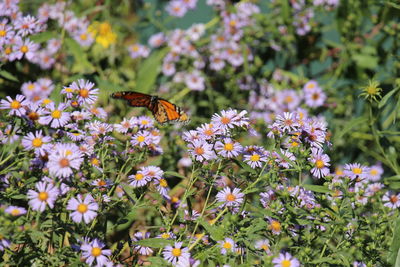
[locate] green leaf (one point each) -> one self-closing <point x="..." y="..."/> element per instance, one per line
<point x="154" y="242"/>
<point x="81" y="64"/>
<point x="387" y="97"/>
<point x="316" y="188"/>
<point x="157" y="261"/>
<point x="394" y="251"/>
<point x="174" y="174"/>
<point x="215" y="232"/>
<point x="8" y="76"/>
<point x="42" y="37"/>
<point x="149" y="70"/>
<point x="350" y="125"/>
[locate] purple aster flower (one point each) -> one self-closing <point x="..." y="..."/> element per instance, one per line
<point x="15" y="211"/>
<point x="263" y="244"/>
<point x="16" y="106"/>
<point x="195" y="81"/>
<point x="99" y="128"/>
<point x="46" y="194"/>
<point x="355" y="171"/>
<point x="25" y="48"/>
<point x="375" y="172"/>
<point x="27" y="25"/>
<point x="63" y="159"/>
<point x="228" y="148"/>
<point x="176" y="8"/>
<point x="320" y="162"/>
<point x="287" y="122"/>
<point x="139" y="179"/>
<point x="254" y="156"/>
<point x="392" y="200"/>
<point x="138" y="50"/>
<point x="83" y="209"/>
<point x="141" y="139"/>
<point x="229" y="197"/>
<point x="175" y="253"/>
<point x="314" y="97"/>
<point x="141" y="249"/>
<point x="201" y="150"/>
<point x="284" y="157"/>
<point x="227" y="245"/>
<point x="4" y="243"/>
<point x="85" y="91"/>
<point x="125" y="125"/>
<point x="285" y="260"/>
<point x="162" y="186"/>
<point x="94" y="251"/>
<point x="55" y="117"/>
<point x="36" y="141"/>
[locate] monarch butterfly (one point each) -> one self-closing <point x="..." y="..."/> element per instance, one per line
<point x="163" y="110"/>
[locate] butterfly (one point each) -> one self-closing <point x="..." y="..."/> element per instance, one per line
<point x="163" y="110"/>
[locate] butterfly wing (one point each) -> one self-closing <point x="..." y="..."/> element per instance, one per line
<point x="165" y="111"/>
<point x="134" y="99"/>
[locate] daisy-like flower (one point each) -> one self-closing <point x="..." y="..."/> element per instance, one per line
<point x="263" y="244"/>
<point x="26" y="25"/>
<point x="46" y="194"/>
<point x="4" y="243"/>
<point x="195" y="81"/>
<point x="225" y="121"/>
<point x="144" y="122"/>
<point x="98" y="112"/>
<point x="83" y="209"/>
<point x="55" y="117"/>
<point x="314" y="97"/>
<point x="141" y="249"/>
<point x="375" y="172"/>
<point x="162" y="186"/>
<point x="139" y="179"/>
<point x="102" y="183"/>
<point x="287" y="122"/>
<point x="141" y="139"/>
<point x="99" y="128"/>
<point x="15" y="211"/>
<point x="285" y="260"/>
<point x="16" y="106"/>
<point x="275" y="226"/>
<point x="392" y="200"/>
<point x="207" y="131"/>
<point x="25" y="48"/>
<point x="201" y="150"/>
<point x="36" y="141"/>
<point x="83" y="37"/>
<point x="229" y="197"/>
<point x="227" y="245"/>
<point x="228" y="148"/>
<point x="167" y="235"/>
<point x="355" y="171"/>
<point x="138" y="50"/>
<point x="284" y="157"/>
<point x="175" y="253"/>
<point x="157" y="40"/>
<point x="63" y="159"/>
<point x="176" y="8"/>
<point x="85" y="91"/>
<point x="125" y="125"/>
<point x="6" y="33"/>
<point x="254" y="156"/>
<point x="94" y="252"/>
<point x="320" y="162"/>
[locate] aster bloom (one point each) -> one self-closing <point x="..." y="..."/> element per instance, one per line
<point x="355" y="171"/>
<point x="16" y="106"/>
<point x="228" y="148"/>
<point x="36" y="141"/>
<point x="25" y="48"/>
<point x="6" y="33"/>
<point x="84" y="209"/>
<point x="229" y="197"/>
<point x="263" y="244"/>
<point x="392" y="200"/>
<point x="314" y="97"/>
<point x="207" y="131"/>
<point x="55" y="117"/>
<point x="83" y="37"/>
<point x="287" y="122"/>
<point x="176" y="8"/>
<point x="138" y="50"/>
<point x="175" y="253"/>
<point x="85" y="91"/>
<point x="201" y="150"/>
<point x="275" y="226"/>
<point x="285" y="260"/>
<point x="254" y="156"/>
<point x="125" y="125"/>
<point x="15" y="211"/>
<point x="320" y="162"/>
<point x="225" y="121"/>
<point x="139" y="179"/>
<point x="27" y="25"/>
<point x="162" y="186"/>
<point x="63" y="159"/>
<point x="99" y="128"/>
<point x="167" y="235"/>
<point x="94" y="252"/>
<point x="45" y="194"/>
<point x="375" y="173"/>
<point x="144" y="122"/>
<point x="227" y="245"/>
<point x="4" y="243"/>
<point x="141" y="249"/>
<point x="195" y="81"/>
<point x="157" y="40"/>
<point x="141" y="139"/>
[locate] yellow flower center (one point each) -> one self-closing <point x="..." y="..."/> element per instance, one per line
<point x="64" y="162"/>
<point x="24" y="49"/>
<point x="95" y="161"/>
<point x="265" y="247"/>
<point x="56" y="114"/>
<point x="165" y="235"/>
<point x="31" y="86"/>
<point x="275" y="226"/>
<point x="37" y="142"/>
<point x="139" y="176"/>
<point x="227" y="245"/>
<point x="163" y="183"/>
<point x="311" y="86"/>
<point x="15" y="104"/>
<point x="393" y="198"/>
<point x="96" y="251"/>
<point x="140" y="138"/>
<point x="255" y="157"/>
<point x="357" y="170"/>
<point x="319" y="164"/>
<point x="199" y="150"/>
<point x="228" y="147"/>
<point x="15" y="212"/>
<point x="230" y="197"/>
<point x="225" y="120"/>
<point x="101" y="183"/>
<point x="2" y="33"/>
<point x="135" y="48"/>
<point x="288" y="99"/>
<point x="43" y="196"/>
<point x="373" y="172"/>
<point x="46" y="101"/>
<point x="144" y="122"/>
<point x="8" y="50"/>
<point x="286" y="263"/>
<point x="82" y="208"/>
<point x="83" y="36"/>
<point x="176" y="252"/>
<point x="315" y="96"/>
<point x="84" y="93"/>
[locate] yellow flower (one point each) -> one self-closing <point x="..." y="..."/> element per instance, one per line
<point x="103" y="33"/>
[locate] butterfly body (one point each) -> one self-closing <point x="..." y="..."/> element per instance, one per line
<point x="163" y="110"/>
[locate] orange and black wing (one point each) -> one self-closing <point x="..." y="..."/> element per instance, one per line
<point x="134" y="99"/>
<point x="165" y="111"/>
